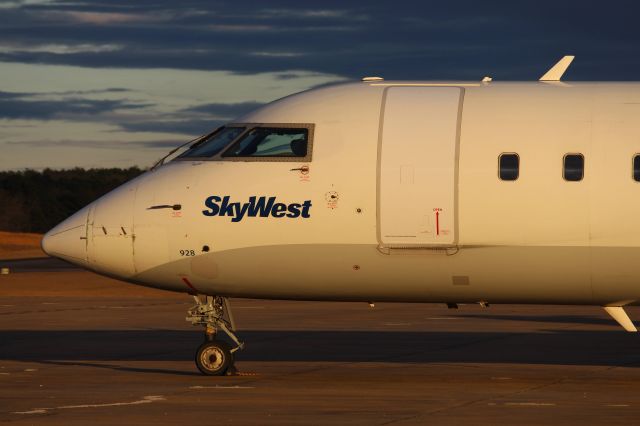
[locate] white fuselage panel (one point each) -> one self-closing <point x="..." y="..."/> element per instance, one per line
<point x="418" y="166"/>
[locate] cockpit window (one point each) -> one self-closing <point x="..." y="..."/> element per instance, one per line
<point x="214" y="143"/>
<point x="252" y="142"/>
<point x="271" y="142"/>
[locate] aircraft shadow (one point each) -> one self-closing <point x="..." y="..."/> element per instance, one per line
<point x="38" y="264"/>
<point x="553" y="347"/>
<point x="565" y="319"/>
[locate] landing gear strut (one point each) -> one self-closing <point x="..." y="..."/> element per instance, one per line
<point x="214" y="357"/>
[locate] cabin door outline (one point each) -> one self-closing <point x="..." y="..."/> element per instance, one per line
<point x="418" y="156"/>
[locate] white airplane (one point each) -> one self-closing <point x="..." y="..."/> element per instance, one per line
<point x="381" y="191"/>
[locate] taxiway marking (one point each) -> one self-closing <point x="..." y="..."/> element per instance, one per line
<point x="145" y="400"/>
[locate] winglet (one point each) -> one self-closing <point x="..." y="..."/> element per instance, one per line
<point x="618" y="314"/>
<point x="556" y="71"/>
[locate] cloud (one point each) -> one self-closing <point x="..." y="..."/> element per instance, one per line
<point x="59" y="49"/>
<point x="461" y="39"/>
<point x="194" y="121"/>
<point x="32" y="95"/>
<point x="292" y="75"/>
<point x="277" y="54"/>
<point x="16" y="4"/>
<point x="244" y="28"/>
<point x="313" y="14"/>
<point x="24" y="106"/>
<point x="90" y="92"/>
<point x="306" y="13"/>
<point x="185" y="126"/>
<point x="51" y="103"/>
<point x="100" y="144"/>
<point x="197" y="35"/>
<point x="12" y="95"/>
<point x="105" y="18"/>
<point x="222" y="110"/>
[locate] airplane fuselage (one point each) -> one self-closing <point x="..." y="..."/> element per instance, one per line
<point x="398" y="198"/>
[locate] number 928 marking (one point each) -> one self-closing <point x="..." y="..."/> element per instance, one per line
<point x="187" y="252"/>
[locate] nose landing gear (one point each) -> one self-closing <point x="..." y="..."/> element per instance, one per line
<point x="214" y="357"/>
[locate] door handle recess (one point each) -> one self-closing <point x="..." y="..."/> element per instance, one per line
<point x="303" y="169"/>
<point x="165" y="206"/>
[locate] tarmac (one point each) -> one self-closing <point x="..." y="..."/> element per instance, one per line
<point x="78" y="349"/>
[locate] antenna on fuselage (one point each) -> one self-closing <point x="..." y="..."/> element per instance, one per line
<point x="557" y="71"/>
<point x="367" y="79"/>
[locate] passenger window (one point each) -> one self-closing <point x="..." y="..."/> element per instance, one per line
<point x="636" y="167"/>
<point x="573" y="167"/>
<point x="509" y="166"/>
<point x="271" y="142"/>
<point x="214" y="143"/>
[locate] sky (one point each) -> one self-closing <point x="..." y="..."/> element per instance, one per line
<point x="117" y="83"/>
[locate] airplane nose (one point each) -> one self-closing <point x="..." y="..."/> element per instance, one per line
<point x="68" y="240"/>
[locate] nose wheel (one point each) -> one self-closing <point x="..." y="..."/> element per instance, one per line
<point x="214" y="357"/>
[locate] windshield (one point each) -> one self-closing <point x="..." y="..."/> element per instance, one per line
<point x="270" y="142"/>
<point x="213" y="144"/>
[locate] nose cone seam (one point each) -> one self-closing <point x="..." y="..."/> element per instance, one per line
<point x="69" y="244"/>
<point x="50" y="234"/>
<point x="68" y="240"/>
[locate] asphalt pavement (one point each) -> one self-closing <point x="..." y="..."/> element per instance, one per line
<point x="76" y="357"/>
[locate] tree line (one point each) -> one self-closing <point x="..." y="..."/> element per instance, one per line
<point x="36" y="201"/>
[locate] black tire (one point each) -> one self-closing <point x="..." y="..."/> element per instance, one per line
<point x="214" y="358"/>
